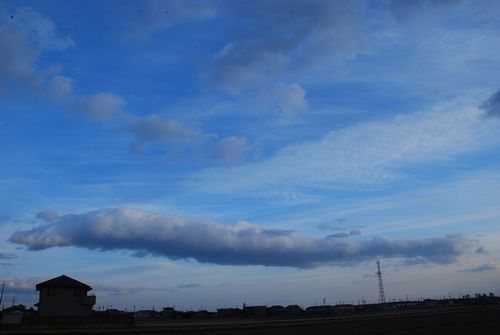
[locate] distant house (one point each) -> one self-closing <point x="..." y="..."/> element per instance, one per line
<point x="344" y="308"/>
<point x="147" y="314"/>
<point x="13" y="314"/>
<point x="275" y="310"/>
<point x="321" y="309"/>
<point x="229" y="312"/>
<point x="64" y="296"/>
<point x="255" y="311"/>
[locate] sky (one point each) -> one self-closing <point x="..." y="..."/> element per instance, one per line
<point x="205" y="154"/>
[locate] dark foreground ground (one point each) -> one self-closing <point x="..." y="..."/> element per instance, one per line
<point x="451" y="320"/>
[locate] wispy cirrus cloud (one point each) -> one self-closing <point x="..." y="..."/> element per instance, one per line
<point x="480" y="268"/>
<point x="24" y="35"/>
<point x="6" y="255"/>
<point x="141" y="19"/>
<point x="366" y="153"/>
<point x="238" y="244"/>
<point x="286" y="35"/>
<point x="28" y="35"/>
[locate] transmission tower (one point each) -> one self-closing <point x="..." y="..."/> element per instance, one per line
<point x="381" y="294"/>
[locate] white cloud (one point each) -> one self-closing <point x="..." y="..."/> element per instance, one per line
<point x="41" y="31"/>
<point x="26" y="37"/>
<point x="102" y="106"/>
<point x="229" y="148"/>
<point x="367" y="153"/>
<point x="155" y="129"/>
<point x="24" y="34"/>
<point x="47" y="215"/>
<point x="238" y="244"/>
<point x="61" y="87"/>
<point x="286" y="35"/>
<point x="152" y="16"/>
<point x="292" y="99"/>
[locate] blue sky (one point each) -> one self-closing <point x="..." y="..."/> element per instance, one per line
<point x="209" y="153"/>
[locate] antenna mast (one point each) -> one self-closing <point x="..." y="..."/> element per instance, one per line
<point x="1" y="294"/>
<point x="381" y="294"/>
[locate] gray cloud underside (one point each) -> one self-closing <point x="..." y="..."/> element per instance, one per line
<point x="238" y="244"/>
<point x="492" y="105"/>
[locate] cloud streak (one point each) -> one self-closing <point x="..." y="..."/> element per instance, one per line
<point x="5" y="255"/>
<point x="151" y="16"/>
<point x="238" y="244"/>
<point x="492" y="105"/>
<point x="23" y="36"/>
<point x="286" y="34"/>
<point x="480" y="268"/>
<point x="363" y="154"/>
<point x="29" y="35"/>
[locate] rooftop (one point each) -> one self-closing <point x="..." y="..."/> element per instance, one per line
<point x="62" y="281"/>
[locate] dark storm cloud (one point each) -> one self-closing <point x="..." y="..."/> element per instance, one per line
<point x="238" y="244"/>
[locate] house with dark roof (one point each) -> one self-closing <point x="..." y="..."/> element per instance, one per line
<point x="64" y="296"/>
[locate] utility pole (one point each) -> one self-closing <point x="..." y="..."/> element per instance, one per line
<point x="381" y="294"/>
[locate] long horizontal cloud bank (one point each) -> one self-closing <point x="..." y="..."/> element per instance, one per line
<point x="238" y="244"/>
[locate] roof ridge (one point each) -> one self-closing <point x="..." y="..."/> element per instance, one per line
<point x="62" y="281"/>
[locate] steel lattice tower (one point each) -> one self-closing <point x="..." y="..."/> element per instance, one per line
<point x="381" y="294"/>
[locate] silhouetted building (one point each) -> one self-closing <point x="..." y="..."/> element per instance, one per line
<point x="293" y="310"/>
<point x="275" y="310"/>
<point x="147" y="314"/>
<point x="168" y="313"/>
<point x="229" y="312"/>
<point x="14" y="314"/>
<point x="255" y="311"/>
<point x="64" y="296"/>
<point x="322" y="309"/>
<point x="344" y="309"/>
